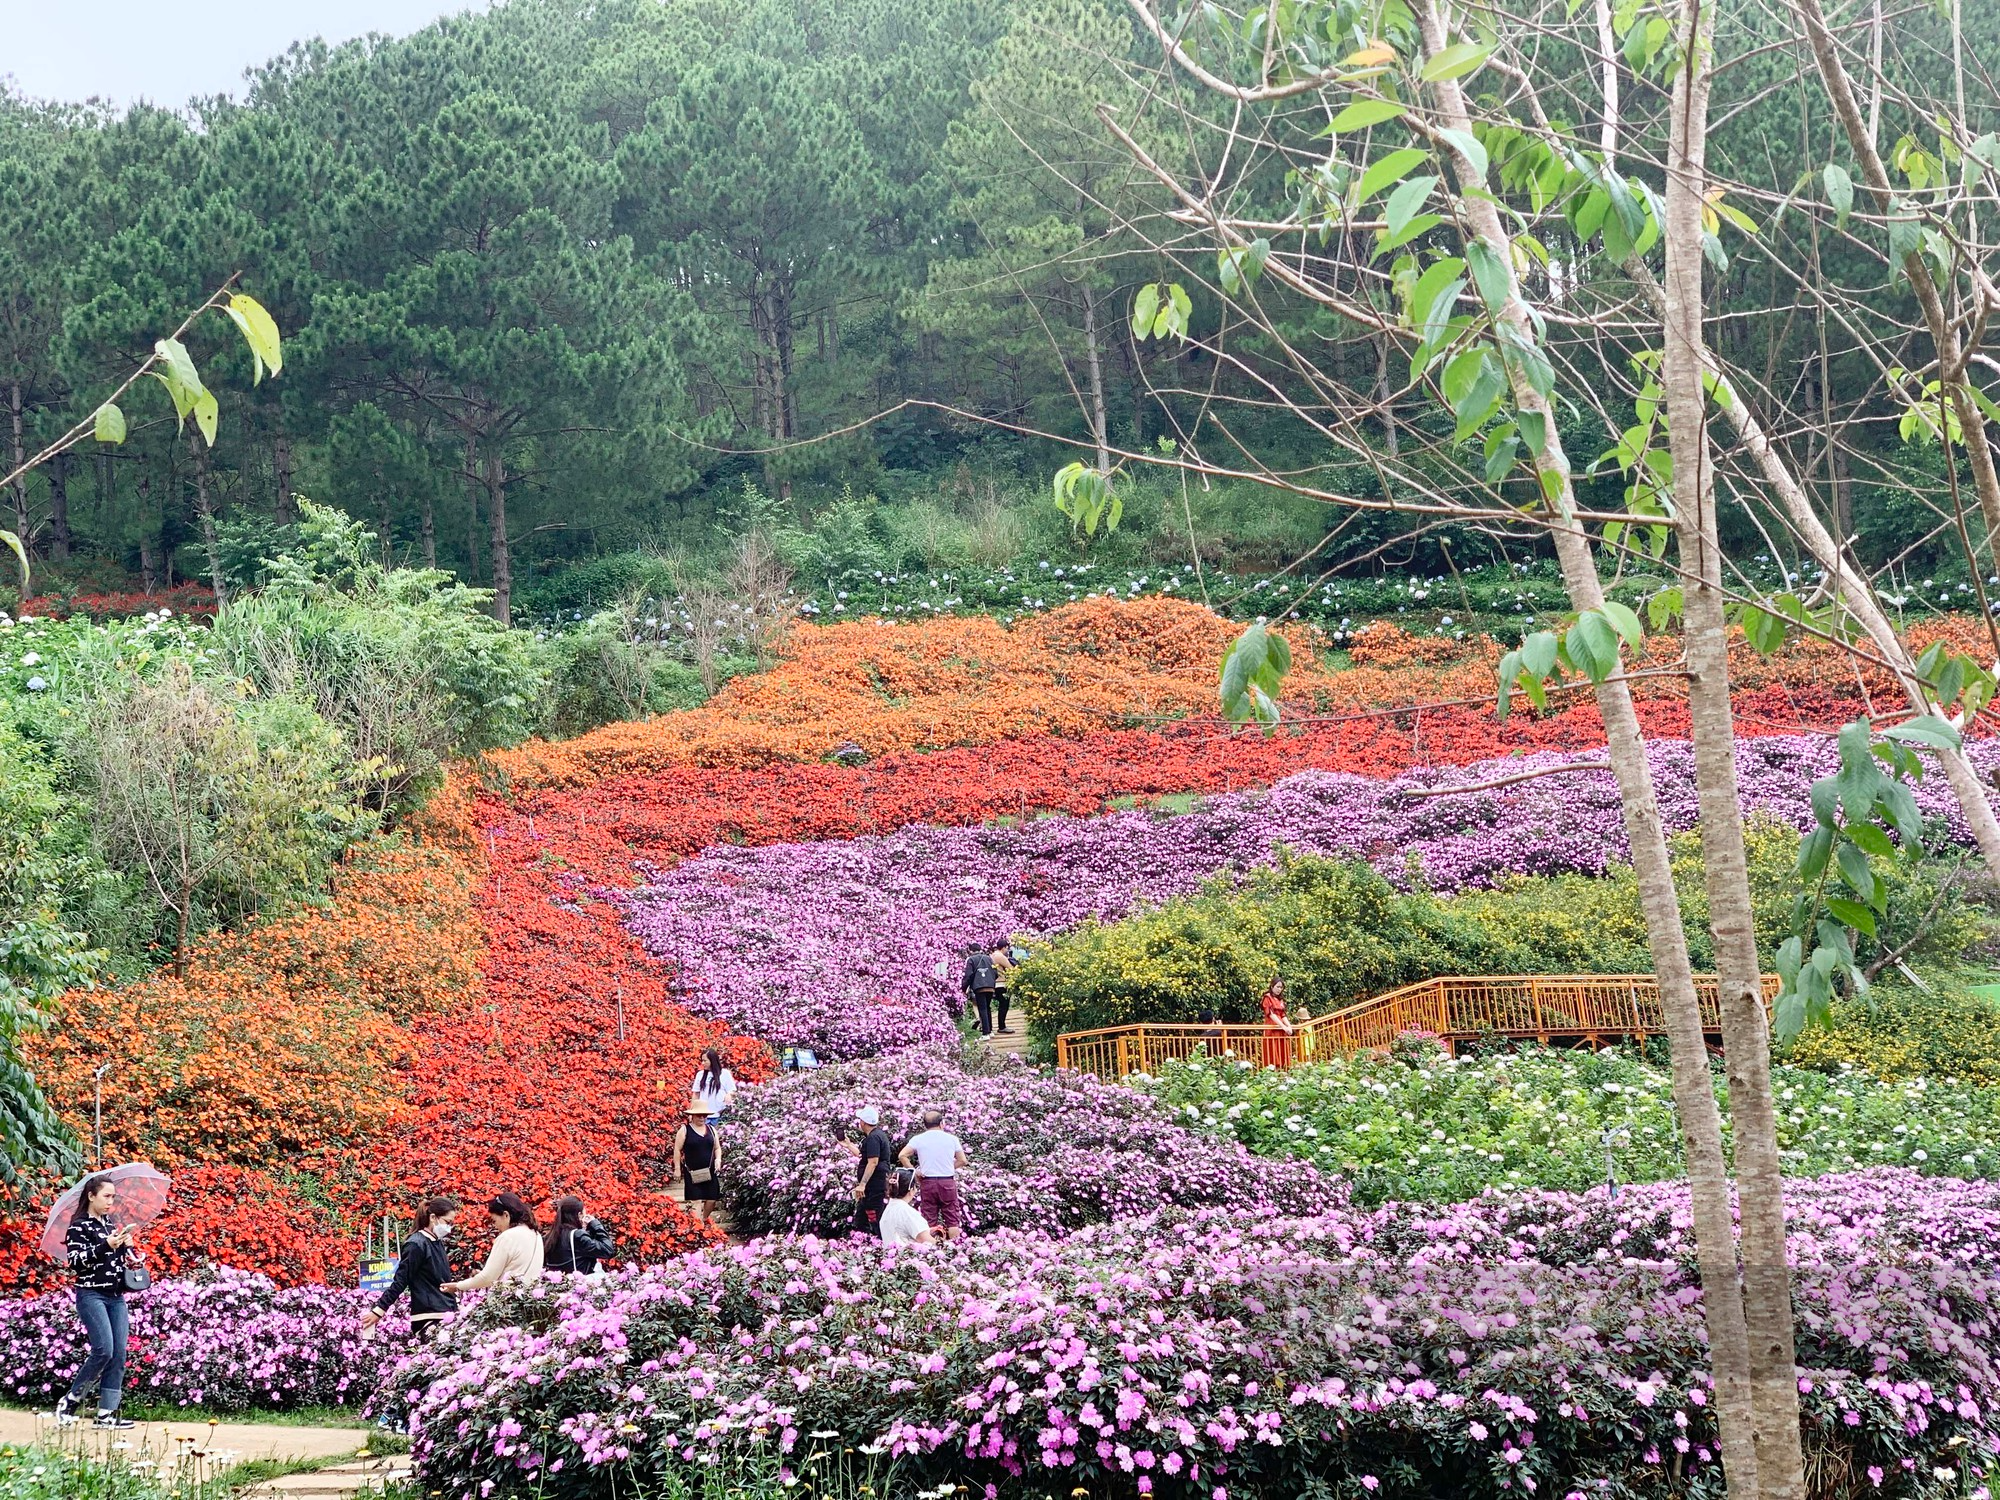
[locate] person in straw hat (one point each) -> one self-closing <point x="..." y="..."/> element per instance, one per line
<point x="698" y="1160"/>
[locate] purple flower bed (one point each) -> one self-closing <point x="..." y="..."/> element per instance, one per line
<point x="1054" y="1152"/>
<point x="1232" y="1353"/>
<point x="855" y="947"/>
<point x="233" y="1342"/>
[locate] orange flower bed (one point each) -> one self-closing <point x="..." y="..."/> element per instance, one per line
<point x="1100" y="664"/>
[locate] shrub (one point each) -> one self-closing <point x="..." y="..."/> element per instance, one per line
<point x="406" y="662"/>
<point x="1402" y="1354"/>
<point x="1444" y="1129"/>
<point x="1900" y="1033"/>
<point x="1052" y="1153"/>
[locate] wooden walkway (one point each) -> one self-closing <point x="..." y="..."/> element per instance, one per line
<point x="1588" y="1010"/>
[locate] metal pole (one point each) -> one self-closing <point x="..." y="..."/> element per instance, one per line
<point x="97" y="1114"/>
<point x="621" y="1012"/>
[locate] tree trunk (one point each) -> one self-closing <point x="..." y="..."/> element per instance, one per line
<point x="385" y="519"/>
<point x="148" y="567"/>
<point x="472" y="510"/>
<point x="1383" y="404"/>
<point x="20" y="457"/>
<point x="59" y="533"/>
<point x="204" y="507"/>
<point x="1093" y="356"/>
<point x="785" y="408"/>
<point x="1767" y="1290"/>
<point x="1135" y="388"/>
<point x="281" y="462"/>
<point x="430" y="531"/>
<point x="503" y="560"/>
<point x="1694" y="1091"/>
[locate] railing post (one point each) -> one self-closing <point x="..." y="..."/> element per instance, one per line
<point x="1124" y="1054"/>
<point x="1062" y="1051"/>
<point x="1145" y="1054"/>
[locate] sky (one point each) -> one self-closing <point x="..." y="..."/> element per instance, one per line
<point x="128" y="50"/>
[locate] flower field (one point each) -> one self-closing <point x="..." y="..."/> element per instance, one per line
<point x="513" y="990"/>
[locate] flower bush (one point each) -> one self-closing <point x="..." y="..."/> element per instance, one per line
<point x="231" y="1342"/>
<point x="1444" y="1129"/>
<point x="1048" y="1151"/>
<point x="1482" y="1352"/>
<point x="855" y="947"/>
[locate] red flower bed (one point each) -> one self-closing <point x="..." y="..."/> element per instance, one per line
<point x="533" y="1088"/>
<point x="664" y="815"/>
<point x="191" y="599"/>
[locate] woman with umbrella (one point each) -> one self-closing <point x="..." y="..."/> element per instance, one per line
<point x="96" y="1249"/>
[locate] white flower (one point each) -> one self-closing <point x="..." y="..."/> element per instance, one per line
<point x="32" y="659"/>
<point x="36" y="684"/>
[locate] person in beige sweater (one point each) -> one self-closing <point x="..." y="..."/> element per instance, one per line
<point x="516" y="1257"/>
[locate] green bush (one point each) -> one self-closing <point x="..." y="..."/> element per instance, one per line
<point x="407" y="663"/>
<point x="1444" y="1129"/>
<point x="1899" y="1032"/>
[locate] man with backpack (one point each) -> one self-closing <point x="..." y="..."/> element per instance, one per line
<point x="979" y="981"/>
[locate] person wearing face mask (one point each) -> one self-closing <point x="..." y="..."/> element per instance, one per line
<point x="422" y="1270"/>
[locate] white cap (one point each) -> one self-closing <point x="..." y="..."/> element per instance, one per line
<point x="868" y="1114"/>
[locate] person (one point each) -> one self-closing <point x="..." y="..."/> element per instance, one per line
<point x="937" y="1155"/>
<point x="1277" y="1029"/>
<point x="871" y="1173"/>
<point x="1211" y="1032"/>
<point x="698" y="1161"/>
<point x="97" y="1252"/>
<point x="715" y="1085"/>
<point x="901" y="1223"/>
<point x="516" y="1257"/>
<point x="977" y="982"/>
<point x="1002" y="954"/>
<point x="575" y="1242"/>
<point x="422" y="1270"/>
<point x="1301" y="1018"/>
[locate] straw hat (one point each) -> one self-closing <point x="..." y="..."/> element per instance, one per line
<point x="699" y="1107"/>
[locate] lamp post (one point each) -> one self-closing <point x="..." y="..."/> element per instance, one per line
<point x="97" y="1113"/>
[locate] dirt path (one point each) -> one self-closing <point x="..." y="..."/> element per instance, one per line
<point x="203" y="1449"/>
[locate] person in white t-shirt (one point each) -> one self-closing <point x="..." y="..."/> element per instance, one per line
<point x="901" y="1223"/>
<point x="938" y="1155"/>
<point x="714" y="1085"/>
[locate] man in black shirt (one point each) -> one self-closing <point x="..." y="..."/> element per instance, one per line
<point x="871" y="1175"/>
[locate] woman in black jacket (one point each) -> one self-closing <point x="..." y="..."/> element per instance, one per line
<point x="574" y="1242"/>
<point x="96" y="1253"/>
<point x="422" y="1270"/>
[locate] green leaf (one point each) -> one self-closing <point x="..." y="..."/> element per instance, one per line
<point x="205" y="415"/>
<point x="1365" y="112"/>
<point x="1625" y="622"/>
<point x="1927" y="729"/>
<point x="1853" y="913"/>
<point x="1145" y="307"/>
<point x="14" y="545"/>
<point x="1468" y="147"/>
<point x="1535" y="428"/>
<point x="1390" y="169"/>
<point x="110" y="423"/>
<point x="1666" y="605"/>
<point x="1424" y="296"/>
<point x="1538" y="653"/>
<point x="179" y="364"/>
<point x="1454" y="62"/>
<point x="1871" y="840"/>
<point x="1386" y="240"/>
<point x="1404" y="203"/>
<point x="1489" y="273"/>
<point x="1592" y="646"/>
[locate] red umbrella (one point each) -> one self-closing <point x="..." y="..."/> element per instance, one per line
<point x="142" y="1194"/>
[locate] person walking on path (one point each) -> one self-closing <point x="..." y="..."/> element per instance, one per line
<point x="1002" y="954"/>
<point x="871" y="1173"/>
<point x="576" y="1242"/>
<point x="1277" y="1027"/>
<point x="715" y="1085"/>
<point x="698" y="1161"/>
<point x="97" y="1253"/>
<point x="901" y="1223"/>
<point x="978" y="982"/>
<point x="422" y="1269"/>
<point x="516" y="1257"/>
<point x="938" y="1155"/>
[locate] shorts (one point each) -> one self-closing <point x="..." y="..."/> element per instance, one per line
<point x="937" y="1201"/>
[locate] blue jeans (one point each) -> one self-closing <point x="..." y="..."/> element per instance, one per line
<point x="107" y="1323"/>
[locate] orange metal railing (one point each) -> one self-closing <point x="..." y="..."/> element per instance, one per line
<point x="1577" y="1008"/>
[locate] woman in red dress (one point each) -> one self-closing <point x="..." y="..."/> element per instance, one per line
<point x="1277" y="1027"/>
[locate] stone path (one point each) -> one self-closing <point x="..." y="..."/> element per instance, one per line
<point x="1015" y="1045"/>
<point x="206" y="1450"/>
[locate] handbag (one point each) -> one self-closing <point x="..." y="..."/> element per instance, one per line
<point x="135" y="1276"/>
<point x="700" y="1174"/>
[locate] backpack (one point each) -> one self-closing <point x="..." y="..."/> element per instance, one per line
<point x="980" y="970"/>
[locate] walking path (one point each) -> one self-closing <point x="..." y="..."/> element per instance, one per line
<point x="205" y="1450"/>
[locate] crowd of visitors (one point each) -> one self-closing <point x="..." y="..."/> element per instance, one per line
<point x="927" y="1168"/>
